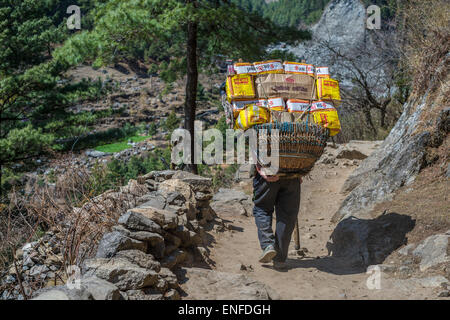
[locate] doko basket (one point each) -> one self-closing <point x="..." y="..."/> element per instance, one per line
<point x="299" y="145"/>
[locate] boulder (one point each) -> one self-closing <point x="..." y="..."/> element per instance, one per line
<point x="150" y="237"/>
<point x="138" y="222"/>
<point x="134" y="188"/>
<point x="121" y="272"/>
<point x="433" y="251"/>
<point x="155" y="200"/>
<point x="406" y="250"/>
<point x="38" y="270"/>
<point x="197" y="183"/>
<point x="231" y="202"/>
<point x="141" y="259"/>
<point x="177" y="199"/>
<point x="52" y="295"/>
<point x="159" y="175"/>
<point x="229" y="195"/>
<point x="228" y="208"/>
<point x="62" y="292"/>
<point x="100" y="289"/>
<point x="165" y="219"/>
<point x="115" y="241"/>
<point x="96" y="154"/>
<point x="177" y="186"/>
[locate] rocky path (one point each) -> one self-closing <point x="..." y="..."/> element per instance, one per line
<point x="176" y="239"/>
<point x="315" y="276"/>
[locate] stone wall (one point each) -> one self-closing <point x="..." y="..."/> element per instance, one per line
<point x="165" y="226"/>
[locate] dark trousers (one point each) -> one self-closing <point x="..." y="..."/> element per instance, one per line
<point x="283" y="196"/>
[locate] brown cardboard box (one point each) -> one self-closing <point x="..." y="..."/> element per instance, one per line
<point x="287" y="86"/>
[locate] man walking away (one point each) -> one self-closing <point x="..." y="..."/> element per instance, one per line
<point x="283" y="195"/>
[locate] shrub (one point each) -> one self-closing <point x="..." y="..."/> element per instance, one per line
<point x="172" y="122"/>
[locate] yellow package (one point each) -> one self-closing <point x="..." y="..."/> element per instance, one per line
<point x="325" y="115"/>
<point x="328" y="89"/>
<point x="270" y="66"/>
<point x="240" y="86"/>
<point x="250" y="116"/>
<point x="239" y="105"/>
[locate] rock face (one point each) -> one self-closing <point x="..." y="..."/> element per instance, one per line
<point x="400" y="157"/>
<point x="394" y="164"/>
<point x="343" y="25"/>
<point x="162" y="231"/>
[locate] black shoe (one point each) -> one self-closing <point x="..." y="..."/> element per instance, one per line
<point x="278" y="265"/>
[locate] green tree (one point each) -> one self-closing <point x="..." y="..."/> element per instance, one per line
<point x="172" y="122"/>
<point x="33" y="93"/>
<point x="184" y="34"/>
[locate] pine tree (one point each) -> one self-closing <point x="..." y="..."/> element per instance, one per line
<point x="32" y="96"/>
<point x="184" y="34"/>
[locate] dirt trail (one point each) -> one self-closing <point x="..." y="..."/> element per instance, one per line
<point x="316" y="276"/>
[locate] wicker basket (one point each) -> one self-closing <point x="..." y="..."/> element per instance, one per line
<point x="300" y="145"/>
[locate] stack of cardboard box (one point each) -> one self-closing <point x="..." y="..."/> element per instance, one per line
<point x="262" y="91"/>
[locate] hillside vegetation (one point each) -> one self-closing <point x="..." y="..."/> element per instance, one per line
<point x="292" y="13"/>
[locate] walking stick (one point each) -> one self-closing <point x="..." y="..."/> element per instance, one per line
<point x="296" y="235"/>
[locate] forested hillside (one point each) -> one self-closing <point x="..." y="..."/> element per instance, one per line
<point x="39" y="104"/>
<point x="295" y="13"/>
<point x="287" y="12"/>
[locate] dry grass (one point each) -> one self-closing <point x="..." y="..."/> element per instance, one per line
<point x="69" y="211"/>
<point x="427" y="35"/>
<point x="426" y="200"/>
